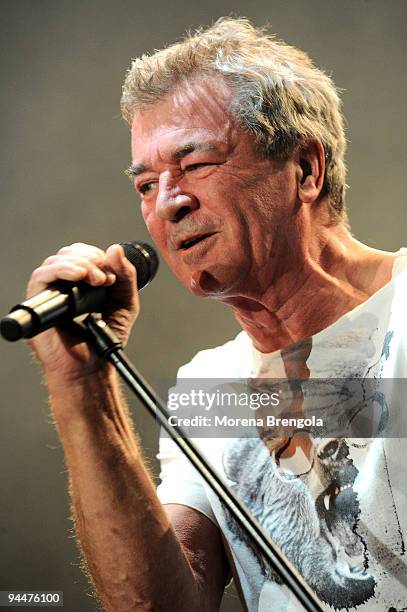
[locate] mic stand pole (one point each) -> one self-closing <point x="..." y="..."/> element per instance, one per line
<point x="107" y="346"/>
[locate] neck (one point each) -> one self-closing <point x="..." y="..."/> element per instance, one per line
<point x="312" y="289"/>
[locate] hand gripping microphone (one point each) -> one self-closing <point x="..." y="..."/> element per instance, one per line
<point x="63" y="301"/>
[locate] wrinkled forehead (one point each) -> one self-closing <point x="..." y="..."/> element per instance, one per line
<point x="199" y="108"/>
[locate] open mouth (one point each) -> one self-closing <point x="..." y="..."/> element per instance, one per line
<point x="190" y="242"/>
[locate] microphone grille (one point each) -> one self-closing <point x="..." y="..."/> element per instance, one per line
<point x="144" y="258"/>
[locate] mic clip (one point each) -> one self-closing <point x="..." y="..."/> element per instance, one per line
<point x="105" y="341"/>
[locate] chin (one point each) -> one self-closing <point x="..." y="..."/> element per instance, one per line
<point x="206" y="284"/>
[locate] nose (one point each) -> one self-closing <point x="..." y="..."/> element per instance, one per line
<point x="172" y="204"/>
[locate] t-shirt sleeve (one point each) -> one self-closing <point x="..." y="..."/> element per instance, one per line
<point x="180" y="481"/>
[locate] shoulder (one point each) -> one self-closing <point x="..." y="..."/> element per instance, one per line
<point x="400" y="262"/>
<point x="232" y="359"/>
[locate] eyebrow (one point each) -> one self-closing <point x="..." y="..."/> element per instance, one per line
<point x="136" y="169"/>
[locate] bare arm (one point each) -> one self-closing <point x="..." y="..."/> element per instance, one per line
<point x="133" y="553"/>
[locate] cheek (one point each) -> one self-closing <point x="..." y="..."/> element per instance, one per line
<point x="149" y="217"/>
<point x="146" y="212"/>
<point x="154" y="226"/>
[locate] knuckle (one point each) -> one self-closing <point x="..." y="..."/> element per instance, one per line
<point x="96" y="257"/>
<point x="64" y="250"/>
<point x="49" y="260"/>
<point x="75" y="247"/>
<point x="78" y="245"/>
<point x="36" y="273"/>
<point x="82" y="252"/>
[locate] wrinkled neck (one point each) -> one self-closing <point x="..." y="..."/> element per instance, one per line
<point x="333" y="275"/>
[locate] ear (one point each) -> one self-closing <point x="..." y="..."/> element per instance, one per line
<point x="310" y="170"/>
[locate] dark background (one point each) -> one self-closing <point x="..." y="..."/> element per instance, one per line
<point x="62" y="156"/>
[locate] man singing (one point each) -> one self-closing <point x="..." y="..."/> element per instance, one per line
<point x="238" y="156"/>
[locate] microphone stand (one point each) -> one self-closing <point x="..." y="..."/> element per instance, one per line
<point x="108" y="347"/>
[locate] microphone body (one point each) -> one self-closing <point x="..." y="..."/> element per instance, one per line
<point x="63" y="301"/>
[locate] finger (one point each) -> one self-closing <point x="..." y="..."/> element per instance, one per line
<point x="87" y="250"/>
<point x="62" y="269"/>
<point x="44" y="275"/>
<point x="74" y="271"/>
<point x="117" y="262"/>
<point x="83" y="253"/>
<point x="82" y="261"/>
<point x="124" y="294"/>
<point x="74" y="257"/>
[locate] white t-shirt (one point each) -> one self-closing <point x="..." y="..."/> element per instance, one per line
<point x="340" y="513"/>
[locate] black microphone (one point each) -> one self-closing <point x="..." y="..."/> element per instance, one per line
<point x="63" y="301"/>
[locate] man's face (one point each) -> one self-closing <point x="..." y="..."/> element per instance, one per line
<point x="218" y="212"/>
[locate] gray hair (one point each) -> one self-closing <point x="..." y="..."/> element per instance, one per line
<point x="278" y="95"/>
